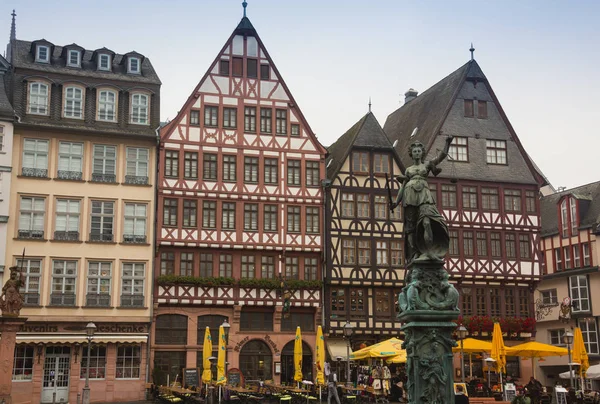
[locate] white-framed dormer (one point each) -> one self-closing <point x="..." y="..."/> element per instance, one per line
<point x="104" y="62"/>
<point x="74" y="58"/>
<point x="139" y="110"/>
<point x="73" y="101"/>
<point x="134" y="65"/>
<point x="38" y="97"/>
<point x="107" y="102"/>
<point x="42" y="53"/>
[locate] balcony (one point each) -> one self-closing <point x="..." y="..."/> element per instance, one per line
<point x="35" y="172"/>
<point x="31" y="299"/>
<point x="63" y="299"/>
<point x="102" y="238"/>
<point x="95" y="300"/>
<point x="132" y="301"/>
<point x="136" y="180"/>
<point x="106" y="178"/>
<point x="133" y="239"/>
<point x="69" y="175"/>
<point x="31" y="234"/>
<point x="66" y="235"/>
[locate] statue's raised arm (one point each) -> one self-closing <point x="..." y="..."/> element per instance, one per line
<point x="440" y="157"/>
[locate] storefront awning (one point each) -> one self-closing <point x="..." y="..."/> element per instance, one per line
<point x="80" y="338"/>
<point x="337" y="347"/>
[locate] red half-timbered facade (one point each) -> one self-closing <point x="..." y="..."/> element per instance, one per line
<point x="240" y="217"/>
<point x="488" y="191"/>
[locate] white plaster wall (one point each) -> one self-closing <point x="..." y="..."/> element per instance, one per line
<point x="5" y="169"/>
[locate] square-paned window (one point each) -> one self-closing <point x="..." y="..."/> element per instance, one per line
<point x="364" y="252"/>
<point x="211" y="116"/>
<point x="169" y="212"/>
<point x="70" y="160"/>
<point x="270" y="218"/>
<point x="397" y="253"/>
<point x="293" y="172"/>
<point x="129" y="360"/>
<point x="495" y="151"/>
<point x="580" y="294"/>
<point x="97" y="362"/>
<point x="250" y="119"/>
<point x="281" y="121"/>
<point x="137" y="165"/>
<point x="229" y="168"/>
<point x="459" y="150"/>
<point x="209" y="214"/>
<point x="99" y="284"/>
<point x="230" y="118"/>
<point x="348" y="252"/>
<point x="139" y="109"/>
<point x="209" y="166"/>
<point x="134" y="229"/>
<point x="190" y="165"/>
<point x="250" y="216"/>
<point x="67" y="219"/>
<point x="293" y="219"/>
<point x="23" y="362"/>
<point x="64" y="283"/>
<point x="104" y="62"/>
<point x="38" y="98"/>
<point x="382" y="253"/>
<point x="102" y="221"/>
<point x="107" y="105"/>
<point x="132" y="284"/>
<point x="271" y="169"/>
<point x="251" y="169"/>
<point x="381" y="207"/>
<point x="190" y="213"/>
<point x="133" y="66"/>
<point x="35" y="158"/>
<point x="348" y="205"/>
<point x="32" y="217"/>
<point x="228" y="216"/>
<point x="73" y="103"/>
<point x="42" y="54"/>
<point x="104" y="163"/>
<point x="363" y="205"/>
<point x="31" y="277"/>
<point x="266" y="120"/>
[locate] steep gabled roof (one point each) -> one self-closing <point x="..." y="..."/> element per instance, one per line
<point x="589" y="208"/>
<point x="428" y="113"/>
<point x="7" y="111"/>
<point x="365" y="134"/>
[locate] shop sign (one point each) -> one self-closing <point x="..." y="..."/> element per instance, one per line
<point x="271" y="343"/>
<point x="123" y="328"/>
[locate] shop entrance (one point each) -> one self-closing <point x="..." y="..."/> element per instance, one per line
<point x="256" y="361"/>
<point x="57" y="367"/>
<point x="287" y="362"/>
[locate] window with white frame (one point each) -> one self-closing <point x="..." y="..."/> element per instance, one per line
<point x="38" y="98"/>
<point x="73" y="102"/>
<point x="576" y="257"/>
<point x="556" y="337"/>
<point x="31" y="279"/>
<point x="132" y="285"/>
<point x="580" y="294"/>
<point x="458" y="149"/>
<point x="104" y="62"/>
<point x="589" y="330"/>
<point x="74" y="58"/>
<point x="137" y="166"/>
<point x="586" y="254"/>
<point x="97" y="363"/>
<point x="35" y="158"/>
<point x="135" y="223"/>
<point x="558" y="265"/>
<point x="107" y="102"/>
<point x="105" y="162"/>
<point x="495" y="151"/>
<point x="67" y="219"/>
<point x="32" y="217"/>
<point x="549" y="297"/>
<point x="139" y="109"/>
<point x="23" y="362"/>
<point x="1" y="138"/>
<point x="573" y="218"/>
<point x="42" y="54"/>
<point x="70" y="161"/>
<point x="129" y="360"/>
<point x="102" y="220"/>
<point x="564" y="218"/>
<point x="98" y="283"/>
<point x="133" y="65"/>
<point x="64" y="279"/>
<point x="382" y="253"/>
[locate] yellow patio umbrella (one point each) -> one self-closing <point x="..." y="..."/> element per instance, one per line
<point x="533" y="349"/>
<point x="320" y="357"/>
<point x="498" y="351"/>
<point x="472" y="345"/>
<point x="384" y="349"/>
<point x="397" y="359"/>
<point x="298" y="356"/>
<point x="206" y="353"/>
<point x="580" y="354"/>
<point x="221" y="379"/>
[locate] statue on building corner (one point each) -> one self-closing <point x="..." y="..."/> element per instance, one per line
<point x="11" y="300"/>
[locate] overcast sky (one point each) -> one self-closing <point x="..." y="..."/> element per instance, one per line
<point x="541" y="57"/>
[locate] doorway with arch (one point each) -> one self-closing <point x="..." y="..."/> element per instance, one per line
<point x="287" y="362"/>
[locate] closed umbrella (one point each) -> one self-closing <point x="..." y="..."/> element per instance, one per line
<point x="498" y="351"/>
<point x="298" y="356"/>
<point x="206" y="353"/>
<point x="221" y="379"/>
<point x="580" y="354"/>
<point x="320" y="357"/>
<point x="533" y="349"/>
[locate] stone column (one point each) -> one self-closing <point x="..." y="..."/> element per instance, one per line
<point x="428" y="305"/>
<point x="9" y="326"/>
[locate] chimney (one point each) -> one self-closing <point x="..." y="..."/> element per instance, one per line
<point x="410" y="95"/>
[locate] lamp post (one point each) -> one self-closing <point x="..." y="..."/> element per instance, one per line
<point x="339" y="362"/>
<point x="568" y="340"/>
<point x="489" y="362"/>
<point x="462" y="334"/>
<point x="348" y="331"/>
<point x="226" y="327"/>
<point x="90" y="329"/>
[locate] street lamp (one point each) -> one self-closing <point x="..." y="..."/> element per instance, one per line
<point x="489" y="362"/>
<point x="348" y="331"/>
<point x="90" y="329"/>
<point x="339" y="361"/>
<point x="568" y="340"/>
<point x="226" y="326"/>
<point x="462" y="334"/>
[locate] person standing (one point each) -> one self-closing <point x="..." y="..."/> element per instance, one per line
<point x="460" y="397"/>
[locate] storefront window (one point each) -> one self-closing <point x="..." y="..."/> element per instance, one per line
<point x="304" y="320"/>
<point x="97" y="361"/>
<point x="168" y="365"/>
<point x="213" y="322"/>
<point x="256" y="361"/>
<point x="23" y="363"/>
<point x="256" y="320"/>
<point x="171" y="329"/>
<point x="287" y="362"/>
<point x="128" y="362"/>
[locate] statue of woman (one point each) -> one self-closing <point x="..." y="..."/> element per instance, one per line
<point x="425" y="230"/>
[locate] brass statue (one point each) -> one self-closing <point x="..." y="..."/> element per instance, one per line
<point x="11" y="300"/>
<point x="425" y="230"/>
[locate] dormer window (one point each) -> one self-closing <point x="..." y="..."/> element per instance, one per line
<point x="133" y="66"/>
<point x="139" y="109"/>
<point x="74" y="58"/>
<point x="42" y="54"/>
<point x="568" y="217"/>
<point x="104" y="62"/>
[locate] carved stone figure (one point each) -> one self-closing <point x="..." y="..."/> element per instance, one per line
<point x="11" y="300"/>
<point x="428" y="289"/>
<point x="433" y="374"/>
<point x="425" y="231"/>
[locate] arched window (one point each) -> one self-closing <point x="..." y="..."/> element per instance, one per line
<point x="139" y="109"/>
<point x="107" y="105"/>
<point x="38" y="98"/>
<point x="171" y="329"/>
<point x="73" y="102"/>
<point x="287" y="362"/>
<point x="256" y="361"/>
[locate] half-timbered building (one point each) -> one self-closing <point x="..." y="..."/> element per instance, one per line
<point x="564" y="298"/>
<point x="487" y="191"/>
<point x="240" y="219"/>
<point x="365" y="259"/>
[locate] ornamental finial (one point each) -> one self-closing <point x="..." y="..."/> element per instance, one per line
<point x="472" y="50"/>
<point x="244" y="4"/>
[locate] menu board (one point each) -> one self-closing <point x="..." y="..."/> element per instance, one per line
<point x="190" y="377"/>
<point x="235" y="378"/>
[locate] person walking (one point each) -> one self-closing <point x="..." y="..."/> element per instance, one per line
<point x="332" y="388"/>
